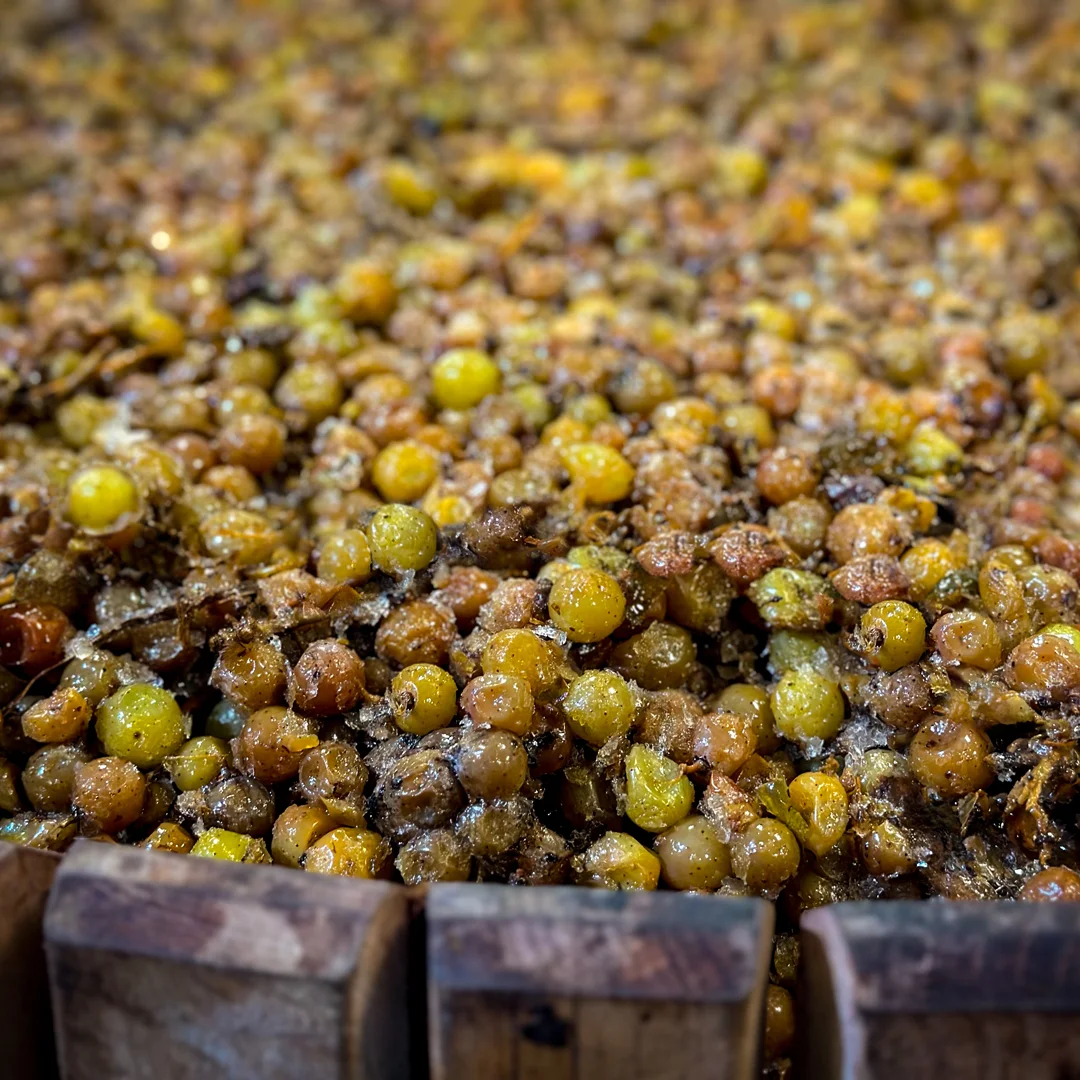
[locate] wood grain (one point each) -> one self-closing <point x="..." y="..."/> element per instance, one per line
<point x="578" y="984"/>
<point x="168" y="966"/>
<point x="986" y="991"/>
<point x="25" y="1027"/>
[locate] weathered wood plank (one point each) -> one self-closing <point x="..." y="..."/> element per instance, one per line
<point x="965" y="990"/>
<point x="578" y="984"/>
<point x="167" y="966"/>
<point x="25" y="1027"/>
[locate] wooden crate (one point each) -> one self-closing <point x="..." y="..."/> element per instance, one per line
<point x="167" y="967"/>
<point x="968" y="991"/>
<point x="554" y="983"/>
<point x="26" y="1046"/>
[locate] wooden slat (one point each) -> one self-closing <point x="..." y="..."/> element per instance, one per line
<point x="971" y="991"/>
<point x="25" y="1028"/>
<point x="580" y="984"/>
<point x="168" y="967"/>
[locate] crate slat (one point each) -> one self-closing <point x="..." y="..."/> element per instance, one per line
<point x="554" y="983"/>
<point x="972" y="991"/>
<point x="25" y="1029"/>
<point x="166" y="966"/>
